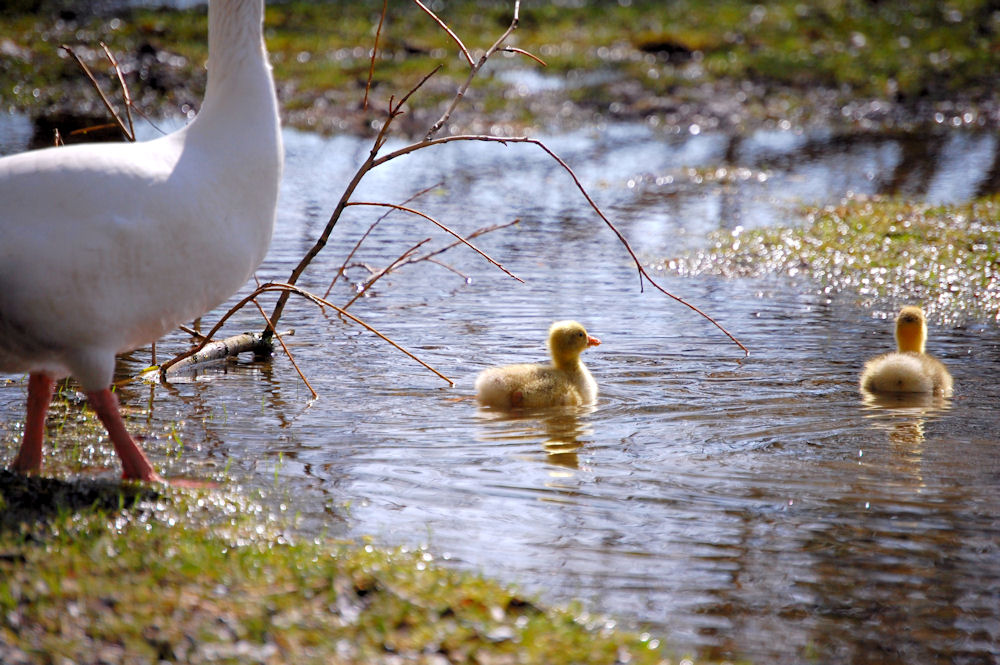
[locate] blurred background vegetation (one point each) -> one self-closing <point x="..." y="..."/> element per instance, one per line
<point x="633" y="58"/>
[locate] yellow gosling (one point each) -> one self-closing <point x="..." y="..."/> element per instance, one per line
<point x="567" y="381"/>
<point x="909" y="369"/>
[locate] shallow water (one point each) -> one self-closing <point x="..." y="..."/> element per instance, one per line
<point x="740" y="507"/>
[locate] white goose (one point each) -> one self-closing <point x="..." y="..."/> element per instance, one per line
<point x="106" y="247"/>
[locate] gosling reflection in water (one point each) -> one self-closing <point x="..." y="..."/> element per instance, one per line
<point x="903" y="416"/>
<point x="918" y="403"/>
<point x="561" y="429"/>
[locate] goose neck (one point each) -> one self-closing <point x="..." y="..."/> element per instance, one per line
<point x="236" y="52"/>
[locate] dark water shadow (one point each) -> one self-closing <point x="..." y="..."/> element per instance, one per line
<point x="33" y="501"/>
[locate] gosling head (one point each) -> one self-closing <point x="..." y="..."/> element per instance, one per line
<point x="911" y="329"/>
<point x="567" y="339"/>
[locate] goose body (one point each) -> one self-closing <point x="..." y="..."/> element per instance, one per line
<point x="565" y="382"/>
<point x="106" y="247"/>
<point x="909" y="369"/>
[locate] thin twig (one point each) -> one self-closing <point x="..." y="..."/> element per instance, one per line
<point x="460" y="94"/>
<point x="444" y="265"/>
<point x="451" y="33"/>
<point x="440" y="226"/>
<point x="514" y="49"/>
<point x="83" y="131"/>
<point x="478" y="232"/>
<point x="371" y="228"/>
<point x="407" y="259"/>
<point x="191" y="331"/>
<point x="126" y="94"/>
<point x="371" y="66"/>
<point x="104" y="98"/>
<point x="385" y="271"/>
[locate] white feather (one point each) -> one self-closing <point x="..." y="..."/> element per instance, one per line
<point x="106" y="247"/>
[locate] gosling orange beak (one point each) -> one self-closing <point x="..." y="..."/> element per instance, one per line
<point x="593" y="341"/>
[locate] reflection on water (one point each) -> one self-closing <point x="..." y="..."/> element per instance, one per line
<point x="756" y="507"/>
<point x="562" y="430"/>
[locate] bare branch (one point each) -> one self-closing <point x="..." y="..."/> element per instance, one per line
<point x="395" y="109"/>
<point x="373" y="160"/>
<point x="385" y="271"/>
<point x="643" y="274"/>
<point x="440" y="226"/>
<point x="126" y="94"/>
<point x="444" y="26"/>
<point x="371" y="228"/>
<point x="371" y="67"/>
<point x="363" y="170"/>
<point x="514" y="49"/>
<point x="460" y="94"/>
<point x="97" y="87"/>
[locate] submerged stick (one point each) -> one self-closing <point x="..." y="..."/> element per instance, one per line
<point x="211" y="351"/>
<point x="286" y="289"/>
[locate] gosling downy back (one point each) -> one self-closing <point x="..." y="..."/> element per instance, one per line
<point x="909" y="369"/>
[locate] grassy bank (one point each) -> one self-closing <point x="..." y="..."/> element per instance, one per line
<point x="889" y="252"/>
<point x="93" y="570"/>
<point x="724" y="63"/>
<point x="98" y="572"/>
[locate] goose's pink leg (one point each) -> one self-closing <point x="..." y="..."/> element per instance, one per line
<point x="29" y="458"/>
<point x="135" y="466"/>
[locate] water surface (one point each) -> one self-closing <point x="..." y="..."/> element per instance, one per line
<point x="740" y="507"/>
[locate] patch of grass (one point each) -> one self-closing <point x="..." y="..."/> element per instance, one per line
<point x="126" y="574"/>
<point x="890" y="252"/>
